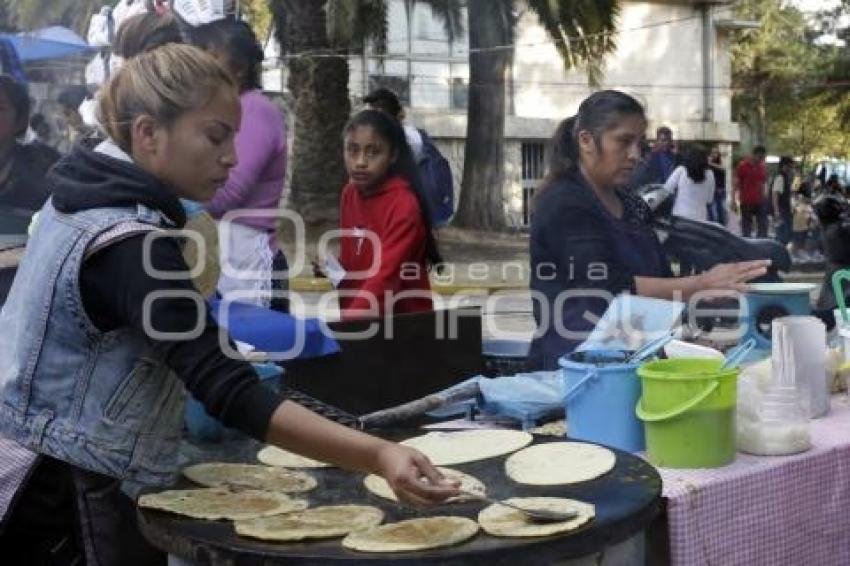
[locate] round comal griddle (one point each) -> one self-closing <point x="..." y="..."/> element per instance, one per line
<point x="627" y="499"/>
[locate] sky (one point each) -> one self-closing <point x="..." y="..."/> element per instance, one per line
<point x="812" y="5"/>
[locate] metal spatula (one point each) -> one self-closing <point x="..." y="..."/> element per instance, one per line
<point x="536" y="515"/>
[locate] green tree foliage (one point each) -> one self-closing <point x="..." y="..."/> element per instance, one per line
<point x="75" y="14"/>
<point x="786" y="80"/>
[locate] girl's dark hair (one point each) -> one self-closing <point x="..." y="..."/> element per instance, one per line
<point x="391" y="131"/>
<point x="17" y="95"/>
<point x="696" y="163"/>
<point x="146" y="31"/>
<point x="237" y="41"/>
<point x="598" y="113"/>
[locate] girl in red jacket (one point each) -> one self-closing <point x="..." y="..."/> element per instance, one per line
<point x="387" y="245"/>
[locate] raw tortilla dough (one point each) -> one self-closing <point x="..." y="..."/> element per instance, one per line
<point x="450" y="448"/>
<point x="558" y="463"/>
<point x="413" y="534"/>
<point x="320" y="522"/>
<point x="501" y="521"/>
<point x="380" y="487"/>
<point x="216" y="474"/>
<point x="221" y="503"/>
<point x="274" y="456"/>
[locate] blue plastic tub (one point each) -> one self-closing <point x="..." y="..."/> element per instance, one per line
<point x="600" y="395"/>
<point x="201" y="426"/>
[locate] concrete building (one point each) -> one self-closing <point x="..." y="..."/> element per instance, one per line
<point x="672" y="55"/>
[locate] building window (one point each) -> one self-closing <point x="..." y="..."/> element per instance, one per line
<point x="399" y="85"/>
<point x="533" y="171"/>
<point x="460" y="93"/>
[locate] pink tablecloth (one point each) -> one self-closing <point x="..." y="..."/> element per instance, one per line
<point x="790" y="510"/>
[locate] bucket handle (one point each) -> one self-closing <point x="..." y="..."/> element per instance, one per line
<point x="837" y="279"/>
<point x="574" y="389"/>
<point x="646" y="416"/>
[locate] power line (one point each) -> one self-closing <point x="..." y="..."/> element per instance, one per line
<point x="338" y="52"/>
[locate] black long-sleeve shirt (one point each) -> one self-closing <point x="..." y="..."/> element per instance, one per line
<point x="114" y="285"/>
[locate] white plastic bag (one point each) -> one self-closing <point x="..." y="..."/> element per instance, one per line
<point x="199" y="12"/>
<point x="96" y="70"/>
<point x="100" y="28"/>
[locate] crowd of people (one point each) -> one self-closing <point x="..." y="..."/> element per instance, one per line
<point x="762" y="203"/>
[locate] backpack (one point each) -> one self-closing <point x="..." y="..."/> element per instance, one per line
<point x="436" y="176"/>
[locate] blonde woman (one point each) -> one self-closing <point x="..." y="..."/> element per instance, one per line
<point x="98" y="350"/>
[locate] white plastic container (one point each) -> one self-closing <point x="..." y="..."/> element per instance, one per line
<point x="778" y="427"/>
<point x="799" y="360"/>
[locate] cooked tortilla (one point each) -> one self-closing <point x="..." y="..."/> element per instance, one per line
<point x="555" y="428"/>
<point x="559" y="463"/>
<point x="380" y="487"/>
<point x="321" y="522"/>
<point x="220" y="503"/>
<point x="204" y="225"/>
<point x="413" y="534"/>
<point x="217" y="474"/>
<point x="501" y="521"/>
<point x="450" y="448"/>
<point x="274" y="456"/>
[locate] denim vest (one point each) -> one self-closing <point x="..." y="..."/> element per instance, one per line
<point x="98" y="400"/>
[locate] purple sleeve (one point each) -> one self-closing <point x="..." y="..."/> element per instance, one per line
<point x="259" y="139"/>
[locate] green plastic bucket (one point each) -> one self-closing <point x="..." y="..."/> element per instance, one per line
<point x="688" y="411"/>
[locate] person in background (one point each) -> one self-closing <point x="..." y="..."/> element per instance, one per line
<point x="144" y="32"/>
<point x="663" y="159"/>
<point x="434" y="170"/>
<point x="693" y="184"/>
<point x="384" y="197"/>
<point x="22" y="166"/>
<point x="780" y="192"/>
<point x="591" y="237"/>
<point x="804" y="221"/>
<point x="80" y="362"/>
<point x="833" y="186"/>
<point x="69" y="101"/>
<point x="717" y="209"/>
<point x="41" y="130"/>
<point x="749" y="193"/>
<point x="256" y="182"/>
<point x="386" y="100"/>
<point x="833" y="214"/>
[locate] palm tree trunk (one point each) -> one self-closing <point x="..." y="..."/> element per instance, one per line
<point x="482" y="189"/>
<point x="319" y="83"/>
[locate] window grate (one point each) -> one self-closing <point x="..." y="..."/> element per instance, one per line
<point x="533" y="171"/>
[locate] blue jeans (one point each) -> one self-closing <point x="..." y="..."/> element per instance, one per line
<point x="783" y="231"/>
<point x="717" y="208"/>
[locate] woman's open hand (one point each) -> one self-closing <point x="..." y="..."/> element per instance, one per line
<point x="413" y="477"/>
<point x="732" y="276"/>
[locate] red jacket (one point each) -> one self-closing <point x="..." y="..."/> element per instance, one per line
<point x="751" y="181"/>
<point x="392" y="213"/>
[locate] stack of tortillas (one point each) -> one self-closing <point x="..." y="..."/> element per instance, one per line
<point x="450" y="448"/>
<point x="221" y="503"/>
<point x="318" y="523"/>
<point x="274" y="456"/>
<point x="380" y="487"/>
<point x="413" y="534"/>
<point x="501" y="521"/>
<point x="559" y="463"/>
<point x="215" y="474"/>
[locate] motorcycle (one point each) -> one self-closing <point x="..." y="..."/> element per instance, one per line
<point x="699" y="245"/>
